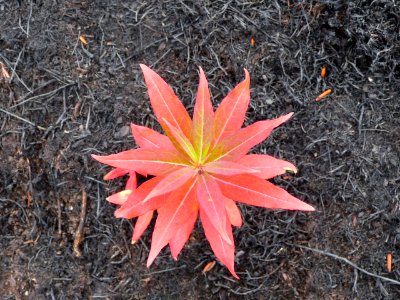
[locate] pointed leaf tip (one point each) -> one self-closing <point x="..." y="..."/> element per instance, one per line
<point x="268" y="166"/>
<point x="222" y="250"/>
<point x="150" y="139"/>
<point x="201" y="70"/>
<point x="141" y="225"/>
<point x="165" y="103"/>
<point x="312" y="208"/>
<point x="287" y="169"/>
<point x="231" y="112"/>
<point x="238" y="144"/>
<point x="119" y="198"/>
<point x="246" y="75"/>
<point x="115" y="173"/>
<point x="144" y="67"/>
<point x="253" y="190"/>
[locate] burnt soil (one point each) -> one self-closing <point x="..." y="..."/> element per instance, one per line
<point x="62" y="101"/>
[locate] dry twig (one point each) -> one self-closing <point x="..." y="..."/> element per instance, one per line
<point x="79" y="230"/>
<point x="345" y="260"/>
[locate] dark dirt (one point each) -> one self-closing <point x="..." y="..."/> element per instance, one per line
<point x="64" y="101"/>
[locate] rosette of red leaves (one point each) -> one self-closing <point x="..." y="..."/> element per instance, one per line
<point x="200" y="167"/>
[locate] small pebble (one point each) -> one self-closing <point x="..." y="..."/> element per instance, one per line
<point x="124" y="131"/>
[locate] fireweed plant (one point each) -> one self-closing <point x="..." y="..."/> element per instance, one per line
<point x="200" y="167"/>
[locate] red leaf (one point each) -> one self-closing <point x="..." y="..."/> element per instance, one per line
<point x="172" y="182"/>
<point x="150" y="197"/>
<point x="165" y="103"/>
<point x="175" y="212"/>
<point x="131" y="184"/>
<point x="231" y="112"/>
<point x="134" y="206"/>
<point x="211" y="202"/>
<point x="115" y="173"/>
<point x="223" y="251"/>
<point x="267" y="166"/>
<point x="120" y="197"/>
<point x="144" y="161"/>
<point x="150" y="139"/>
<point x="141" y="225"/>
<point x="177" y="241"/>
<point x="238" y="144"/>
<point x="203" y="119"/>
<point x="227" y="168"/>
<point x="253" y="190"/>
<point x="233" y="212"/>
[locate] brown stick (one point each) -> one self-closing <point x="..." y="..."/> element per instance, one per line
<point x="59" y="215"/>
<point x="79" y="230"/>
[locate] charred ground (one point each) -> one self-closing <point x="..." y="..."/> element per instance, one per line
<point x="65" y="101"/>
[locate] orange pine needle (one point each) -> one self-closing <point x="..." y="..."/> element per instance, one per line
<point x="28" y="199"/>
<point x="324" y="95"/>
<point x="4" y="72"/>
<point x="83" y="40"/>
<point x="209" y="266"/>
<point x="389" y="262"/>
<point x="323" y="72"/>
<point x="252" y="41"/>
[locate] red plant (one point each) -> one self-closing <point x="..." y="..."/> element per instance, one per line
<point x="201" y="166"/>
